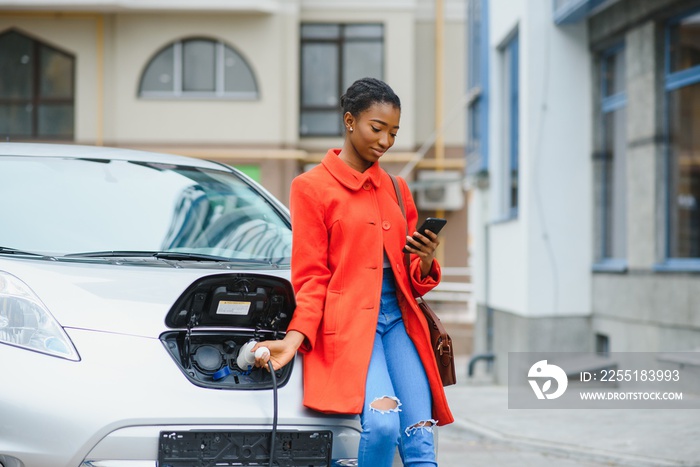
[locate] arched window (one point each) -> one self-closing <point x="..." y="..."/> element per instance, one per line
<point x="37" y="89"/>
<point x="198" y="67"/>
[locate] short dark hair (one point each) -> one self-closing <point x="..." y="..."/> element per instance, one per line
<point x="364" y="93"/>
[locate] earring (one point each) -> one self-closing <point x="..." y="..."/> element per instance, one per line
<point x="350" y="128"/>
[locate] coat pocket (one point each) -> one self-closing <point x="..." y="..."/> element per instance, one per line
<point x="330" y="314"/>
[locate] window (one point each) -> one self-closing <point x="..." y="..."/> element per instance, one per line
<point x="333" y="56"/>
<point x="200" y="68"/>
<point x="511" y="119"/>
<point x="477" y="83"/>
<point x="611" y="159"/>
<point x="37" y="85"/>
<point x="682" y="84"/>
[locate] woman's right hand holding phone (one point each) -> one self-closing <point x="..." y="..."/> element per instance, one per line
<point x="424" y="247"/>
<point x="424" y="242"/>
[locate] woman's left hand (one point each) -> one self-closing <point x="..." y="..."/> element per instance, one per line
<point x="425" y="250"/>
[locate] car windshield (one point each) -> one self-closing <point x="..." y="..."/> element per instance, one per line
<point x="66" y="206"/>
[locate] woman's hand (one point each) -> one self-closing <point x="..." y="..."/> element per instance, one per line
<point x="281" y="351"/>
<point x="425" y="250"/>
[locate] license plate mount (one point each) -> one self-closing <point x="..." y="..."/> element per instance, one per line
<point x="209" y="448"/>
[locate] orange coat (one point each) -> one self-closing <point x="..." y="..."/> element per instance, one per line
<point x="342" y="221"/>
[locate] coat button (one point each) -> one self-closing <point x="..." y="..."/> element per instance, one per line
<point x="386" y="225"/>
<point x="367" y="186"/>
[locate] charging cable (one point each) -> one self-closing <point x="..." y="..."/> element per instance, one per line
<point x="274" y="417"/>
<point x="261" y="352"/>
<point x="246" y="359"/>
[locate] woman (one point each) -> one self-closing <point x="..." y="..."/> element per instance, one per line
<point x="355" y="309"/>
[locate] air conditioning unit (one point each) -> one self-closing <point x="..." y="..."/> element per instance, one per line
<point x="439" y="190"/>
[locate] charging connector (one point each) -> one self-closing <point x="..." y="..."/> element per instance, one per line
<point x="246" y="358"/>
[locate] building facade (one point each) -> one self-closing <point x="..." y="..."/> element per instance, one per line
<point x="252" y="83"/>
<point x="584" y="176"/>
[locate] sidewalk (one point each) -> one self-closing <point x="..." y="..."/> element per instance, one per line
<point x="487" y="433"/>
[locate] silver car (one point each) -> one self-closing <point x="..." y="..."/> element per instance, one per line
<point x="131" y="284"/>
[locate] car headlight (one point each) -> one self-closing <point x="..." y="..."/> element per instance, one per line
<point x="25" y="321"/>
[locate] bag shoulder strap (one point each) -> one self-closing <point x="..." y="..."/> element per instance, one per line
<point x="399" y="198"/>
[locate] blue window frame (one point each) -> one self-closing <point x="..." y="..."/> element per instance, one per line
<point x="510" y="53"/>
<point x="682" y="124"/>
<point x="573" y="11"/>
<point x="611" y="162"/>
<point x="477" y="86"/>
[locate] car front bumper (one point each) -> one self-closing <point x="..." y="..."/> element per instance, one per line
<point x="108" y="409"/>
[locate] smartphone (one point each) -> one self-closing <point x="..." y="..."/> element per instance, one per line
<point x="434" y="224"/>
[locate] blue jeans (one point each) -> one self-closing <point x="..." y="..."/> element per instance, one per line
<point x="396" y="373"/>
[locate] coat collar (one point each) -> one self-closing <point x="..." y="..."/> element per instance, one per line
<point x="348" y="176"/>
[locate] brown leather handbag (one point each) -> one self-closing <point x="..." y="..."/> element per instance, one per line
<point x="439" y="339"/>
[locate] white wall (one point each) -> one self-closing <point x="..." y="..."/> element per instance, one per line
<point x="539" y="263"/>
<point x="558" y="194"/>
<point x="477" y="223"/>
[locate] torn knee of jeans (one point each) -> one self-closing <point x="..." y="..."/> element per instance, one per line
<point x="385" y="404"/>
<point x="425" y="425"/>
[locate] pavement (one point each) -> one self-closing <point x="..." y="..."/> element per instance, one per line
<point x="487" y="433"/>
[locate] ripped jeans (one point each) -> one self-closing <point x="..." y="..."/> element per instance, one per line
<point x="396" y="379"/>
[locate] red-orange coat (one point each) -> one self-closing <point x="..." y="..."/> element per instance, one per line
<point x="342" y="220"/>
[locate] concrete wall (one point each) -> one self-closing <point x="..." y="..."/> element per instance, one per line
<point x="513" y="333"/>
<point x="643" y="309"/>
<point x="648" y="312"/>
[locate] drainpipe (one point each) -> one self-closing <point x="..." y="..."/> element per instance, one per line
<point x="439" y="97"/>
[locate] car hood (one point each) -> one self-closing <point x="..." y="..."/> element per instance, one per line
<point x="131" y="298"/>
